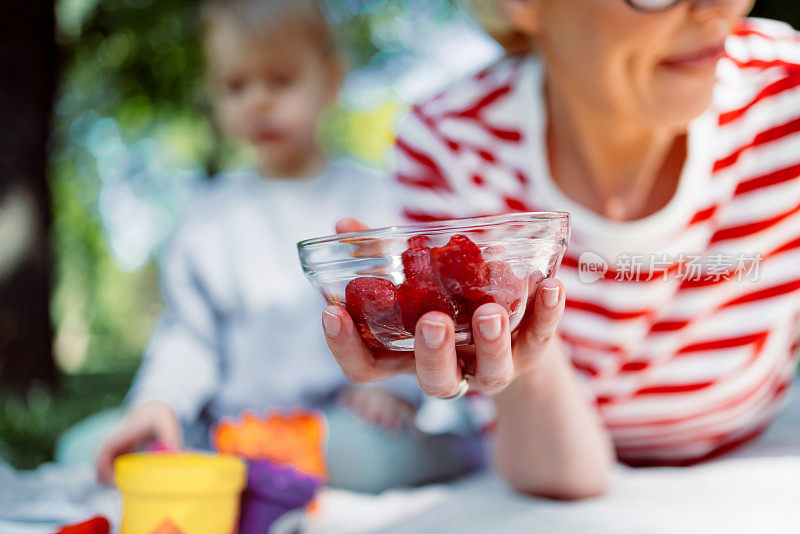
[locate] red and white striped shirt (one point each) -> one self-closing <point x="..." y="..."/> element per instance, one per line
<point x="683" y="366"/>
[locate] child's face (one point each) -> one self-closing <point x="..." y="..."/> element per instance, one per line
<point x="270" y="93"/>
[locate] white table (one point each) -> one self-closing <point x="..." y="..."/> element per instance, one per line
<point x="754" y="491"/>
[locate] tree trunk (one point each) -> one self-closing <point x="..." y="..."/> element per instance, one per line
<point x="28" y="61"/>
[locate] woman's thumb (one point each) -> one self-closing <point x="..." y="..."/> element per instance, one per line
<point x="349" y="224"/>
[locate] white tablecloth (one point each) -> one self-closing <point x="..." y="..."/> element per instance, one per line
<point x="755" y="490"/>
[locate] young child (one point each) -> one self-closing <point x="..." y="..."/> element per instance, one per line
<point x="240" y="328"/>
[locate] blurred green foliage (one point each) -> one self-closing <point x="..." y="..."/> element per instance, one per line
<point x="138" y="63"/>
<point x="30" y="424"/>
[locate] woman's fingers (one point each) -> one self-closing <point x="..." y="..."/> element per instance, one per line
<point x="539" y="327"/>
<point x="492" y="335"/>
<point x="435" y="355"/>
<point x="435" y="360"/>
<point x="346" y="345"/>
<point x="349" y="224"/>
<point x="362" y="247"/>
<point x="357" y="361"/>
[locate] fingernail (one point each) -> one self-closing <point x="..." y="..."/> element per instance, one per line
<point x="490" y="326"/>
<point x="550" y="296"/>
<point x="331" y="323"/>
<point x="433" y="333"/>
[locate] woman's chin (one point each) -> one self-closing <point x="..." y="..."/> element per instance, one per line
<point x="680" y="104"/>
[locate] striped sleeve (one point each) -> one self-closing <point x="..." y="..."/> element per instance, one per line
<point x="765" y="44"/>
<point x="422" y="170"/>
<point x="447" y="157"/>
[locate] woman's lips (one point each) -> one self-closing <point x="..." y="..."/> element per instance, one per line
<point x="698" y="59"/>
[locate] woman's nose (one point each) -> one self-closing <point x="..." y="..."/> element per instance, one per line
<point x="718" y="4"/>
<point x="720" y="12"/>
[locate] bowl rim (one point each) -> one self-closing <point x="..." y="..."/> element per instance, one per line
<point x="465" y="223"/>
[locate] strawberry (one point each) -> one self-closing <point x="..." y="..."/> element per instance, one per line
<point x="420" y="294"/>
<point x="452" y="279"/>
<point x="417" y="258"/>
<point x="460" y="268"/>
<point x="372" y="301"/>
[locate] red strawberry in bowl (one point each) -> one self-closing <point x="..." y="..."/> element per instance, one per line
<point x="460" y="268"/>
<point x="453" y="279"/>
<point x="452" y="267"/>
<point x="417" y="258"/>
<point x="420" y="294"/>
<point x="372" y="303"/>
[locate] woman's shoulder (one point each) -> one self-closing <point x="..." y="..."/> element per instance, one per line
<point x="759" y="78"/>
<point x="476" y="129"/>
<point x="757" y="105"/>
<point x="761" y="31"/>
<point x="474" y="96"/>
<point x="502" y="72"/>
<point x="759" y="45"/>
<point x="473" y="117"/>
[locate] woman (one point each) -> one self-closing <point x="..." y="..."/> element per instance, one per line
<point x="671" y="132"/>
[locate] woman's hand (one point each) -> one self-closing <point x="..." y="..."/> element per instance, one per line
<point x="549" y="440"/>
<point x="499" y="356"/>
<point x="152" y="421"/>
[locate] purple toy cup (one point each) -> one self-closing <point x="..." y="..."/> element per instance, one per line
<point x="272" y="491"/>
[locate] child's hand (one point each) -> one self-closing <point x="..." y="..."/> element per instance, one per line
<point x="379" y="407"/>
<point x="152" y="421"/>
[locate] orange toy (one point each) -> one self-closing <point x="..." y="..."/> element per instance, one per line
<point x="294" y="439"/>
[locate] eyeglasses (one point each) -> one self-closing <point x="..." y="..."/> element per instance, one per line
<point x="652" y="6"/>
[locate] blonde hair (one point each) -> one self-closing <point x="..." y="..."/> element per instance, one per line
<point x="499" y="28"/>
<point x="265" y="18"/>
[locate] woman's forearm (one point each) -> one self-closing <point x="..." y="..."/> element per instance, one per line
<point x="550" y="441"/>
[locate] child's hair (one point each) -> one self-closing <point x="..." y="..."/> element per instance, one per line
<point x="263" y="18"/>
<point x="494" y="22"/>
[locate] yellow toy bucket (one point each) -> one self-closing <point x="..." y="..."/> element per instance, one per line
<point x="166" y="493"/>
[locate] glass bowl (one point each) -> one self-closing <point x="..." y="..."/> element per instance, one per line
<point x="386" y="278"/>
